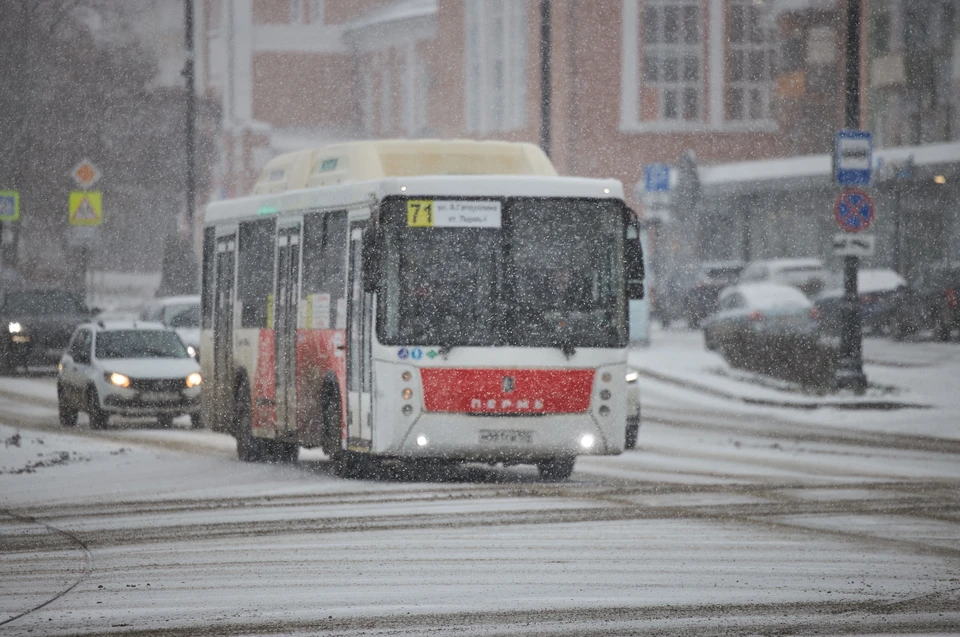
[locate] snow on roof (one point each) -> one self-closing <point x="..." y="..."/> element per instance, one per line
<point x="822" y="165"/>
<point x="879" y="280"/>
<point x="791" y="264"/>
<point x="186" y="299"/>
<point x="768" y="296"/>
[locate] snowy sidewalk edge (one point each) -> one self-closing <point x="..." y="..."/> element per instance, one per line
<point x="884" y="405"/>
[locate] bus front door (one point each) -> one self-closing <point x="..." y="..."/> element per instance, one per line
<point x="223" y="303"/>
<point x="359" y="373"/>
<point x="287" y="302"/>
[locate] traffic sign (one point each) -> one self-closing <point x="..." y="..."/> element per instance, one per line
<point x="854" y="210"/>
<point x="853" y="157"/>
<point x="86" y="208"/>
<point x="656" y="178"/>
<point x="854" y="245"/>
<point x="85" y="174"/>
<point x="9" y="205"/>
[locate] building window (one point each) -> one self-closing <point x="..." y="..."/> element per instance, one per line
<point x="750" y="61"/>
<point x="495" y="61"/>
<point x="316" y="11"/>
<point x="296" y="12"/>
<point x="672" y="60"/>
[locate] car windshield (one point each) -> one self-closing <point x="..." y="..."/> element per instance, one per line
<point x="725" y="275"/>
<point x="547" y="272"/>
<point x="35" y="302"/>
<point x="140" y="344"/>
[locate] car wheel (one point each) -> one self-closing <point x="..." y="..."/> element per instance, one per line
<point x="99" y="419"/>
<point x="165" y="421"/>
<point x="68" y="415"/>
<point x="556" y="469"/>
<point x="196" y="421"/>
<point x="249" y="447"/>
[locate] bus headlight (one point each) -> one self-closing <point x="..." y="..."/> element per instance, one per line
<point x="422" y="440"/>
<point x="194" y="380"/>
<point x="587" y="441"/>
<point x="14" y="327"/>
<point x="632" y="376"/>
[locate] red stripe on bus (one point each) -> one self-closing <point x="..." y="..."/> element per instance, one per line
<point x="507" y="391"/>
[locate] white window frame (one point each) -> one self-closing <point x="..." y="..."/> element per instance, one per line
<point x="496" y="55"/>
<point x="674" y="69"/>
<point x="745" y="58"/>
<point x="713" y="109"/>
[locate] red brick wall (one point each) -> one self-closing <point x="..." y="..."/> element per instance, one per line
<point x="298" y="90"/>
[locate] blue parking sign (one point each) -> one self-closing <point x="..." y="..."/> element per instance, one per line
<point x="656" y="178"/>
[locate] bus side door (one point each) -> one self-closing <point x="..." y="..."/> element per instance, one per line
<point x="359" y="365"/>
<point x="224" y="307"/>
<point x="286" y="309"/>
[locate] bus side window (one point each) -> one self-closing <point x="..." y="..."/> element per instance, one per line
<point x="206" y="290"/>
<point x="255" y="271"/>
<point x="324" y="255"/>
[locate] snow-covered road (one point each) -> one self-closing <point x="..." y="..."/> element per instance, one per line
<point x="728" y="519"/>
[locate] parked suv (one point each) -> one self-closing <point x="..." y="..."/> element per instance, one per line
<point x="808" y="275"/>
<point x="931" y="301"/>
<point x="127" y="368"/>
<point x="35" y="326"/>
<point x="711" y="280"/>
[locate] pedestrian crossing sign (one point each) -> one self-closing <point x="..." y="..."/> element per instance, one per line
<point x="86" y="208"/>
<point x="9" y="205"/>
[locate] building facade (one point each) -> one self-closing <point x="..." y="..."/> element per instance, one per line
<point x="633" y="82"/>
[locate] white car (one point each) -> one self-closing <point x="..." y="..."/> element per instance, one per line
<point x="127" y="368"/>
<point x="810" y="276"/>
<point x="181" y="314"/>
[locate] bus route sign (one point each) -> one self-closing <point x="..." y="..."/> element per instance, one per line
<point x="854" y="210"/>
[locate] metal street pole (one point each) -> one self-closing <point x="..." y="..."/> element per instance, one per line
<point x="849" y="373"/>
<point x="545" y="87"/>
<point x="189" y="74"/>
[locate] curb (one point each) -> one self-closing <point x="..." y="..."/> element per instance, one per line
<point x="879" y="405"/>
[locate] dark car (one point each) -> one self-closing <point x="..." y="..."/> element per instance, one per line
<point x="931" y="301"/>
<point x="701" y="299"/>
<point x="36" y="325"/>
<point x="879" y="291"/>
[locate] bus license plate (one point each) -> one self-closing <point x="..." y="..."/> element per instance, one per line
<point x="506" y="436"/>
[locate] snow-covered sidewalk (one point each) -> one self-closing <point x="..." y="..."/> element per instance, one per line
<point x="899" y="374"/>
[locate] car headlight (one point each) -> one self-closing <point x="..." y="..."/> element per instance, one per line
<point x="632" y="376"/>
<point x="118" y="379"/>
<point x="14" y="327"/>
<point x="194" y="380"/>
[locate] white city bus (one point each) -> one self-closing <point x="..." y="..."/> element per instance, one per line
<point x="436" y="300"/>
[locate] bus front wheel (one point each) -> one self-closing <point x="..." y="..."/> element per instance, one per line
<point x="556" y="469"/>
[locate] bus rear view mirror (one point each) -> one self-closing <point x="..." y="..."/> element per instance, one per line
<point x="633" y="253"/>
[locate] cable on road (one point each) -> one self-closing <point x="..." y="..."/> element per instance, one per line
<point x="88" y="569"/>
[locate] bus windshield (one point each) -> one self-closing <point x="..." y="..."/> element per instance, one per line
<point x="536" y="272"/>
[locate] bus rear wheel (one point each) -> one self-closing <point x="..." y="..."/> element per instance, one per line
<point x="249" y="447"/>
<point x="556" y="469"/>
